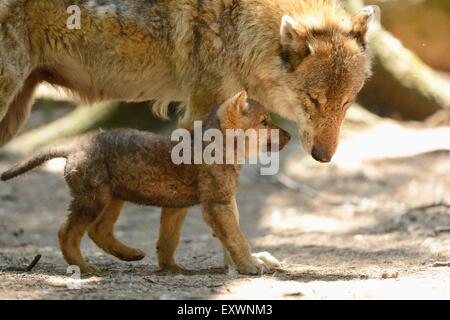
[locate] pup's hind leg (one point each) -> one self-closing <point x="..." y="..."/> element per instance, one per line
<point x="88" y="203"/>
<point x="102" y="233"/>
<point x="70" y="235"/>
<point x="169" y="237"/>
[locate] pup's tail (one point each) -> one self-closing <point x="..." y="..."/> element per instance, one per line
<point x="35" y="161"/>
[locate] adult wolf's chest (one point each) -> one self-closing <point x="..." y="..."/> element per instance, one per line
<point x="118" y="52"/>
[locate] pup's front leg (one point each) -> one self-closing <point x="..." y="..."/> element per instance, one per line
<point x="203" y="97"/>
<point x="222" y="218"/>
<point x="266" y="257"/>
<point x="169" y="237"/>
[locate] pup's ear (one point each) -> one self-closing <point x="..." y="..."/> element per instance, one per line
<point x="236" y="105"/>
<point x="239" y="102"/>
<point x="293" y="40"/>
<point x="233" y="109"/>
<point x="360" y="24"/>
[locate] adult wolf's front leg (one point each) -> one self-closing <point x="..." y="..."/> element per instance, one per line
<point x="222" y="218"/>
<point x="203" y="98"/>
<point x="200" y="104"/>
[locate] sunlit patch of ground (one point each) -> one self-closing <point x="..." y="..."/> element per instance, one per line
<point x="423" y="285"/>
<point x="390" y="140"/>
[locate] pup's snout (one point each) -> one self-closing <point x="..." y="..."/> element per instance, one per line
<point x="285" y="137"/>
<point x="288" y="136"/>
<point x="321" y="155"/>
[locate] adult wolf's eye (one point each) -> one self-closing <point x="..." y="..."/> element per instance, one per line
<point x="314" y="101"/>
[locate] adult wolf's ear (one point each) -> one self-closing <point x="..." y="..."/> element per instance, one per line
<point x="293" y="40"/>
<point x="360" y="24"/>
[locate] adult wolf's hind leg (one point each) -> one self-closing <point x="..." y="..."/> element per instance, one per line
<point x="169" y="237"/>
<point x="10" y="85"/>
<point x="18" y="110"/>
<point x="102" y="233"/>
<point x="15" y="68"/>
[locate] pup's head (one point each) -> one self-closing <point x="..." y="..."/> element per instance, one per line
<point x="248" y="116"/>
<point x="325" y="64"/>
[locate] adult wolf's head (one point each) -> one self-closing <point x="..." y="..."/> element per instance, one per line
<point x="325" y="64"/>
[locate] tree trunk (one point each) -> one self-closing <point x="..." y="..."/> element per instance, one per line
<point x="402" y="83"/>
<point x="81" y="120"/>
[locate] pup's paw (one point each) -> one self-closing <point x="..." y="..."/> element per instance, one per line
<point x="260" y="263"/>
<point x="131" y="255"/>
<point x="90" y="270"/>
<point x="172" y="269"/>
<point x="268" y="259"/>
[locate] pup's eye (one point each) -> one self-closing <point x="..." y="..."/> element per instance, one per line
<point x="348" y="104"/>
<point x="265" y="123"/>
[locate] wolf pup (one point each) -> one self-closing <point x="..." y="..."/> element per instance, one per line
<point x="105" y="169"/>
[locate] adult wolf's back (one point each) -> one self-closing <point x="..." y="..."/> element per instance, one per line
<point x="305" y="60"/>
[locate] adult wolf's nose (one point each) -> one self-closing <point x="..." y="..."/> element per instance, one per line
<point x="320" y="155"/>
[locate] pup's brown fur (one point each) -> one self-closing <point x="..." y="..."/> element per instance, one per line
<point x="105" y="169"/>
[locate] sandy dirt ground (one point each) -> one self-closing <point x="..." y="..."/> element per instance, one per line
<point x="356" y="229"/>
